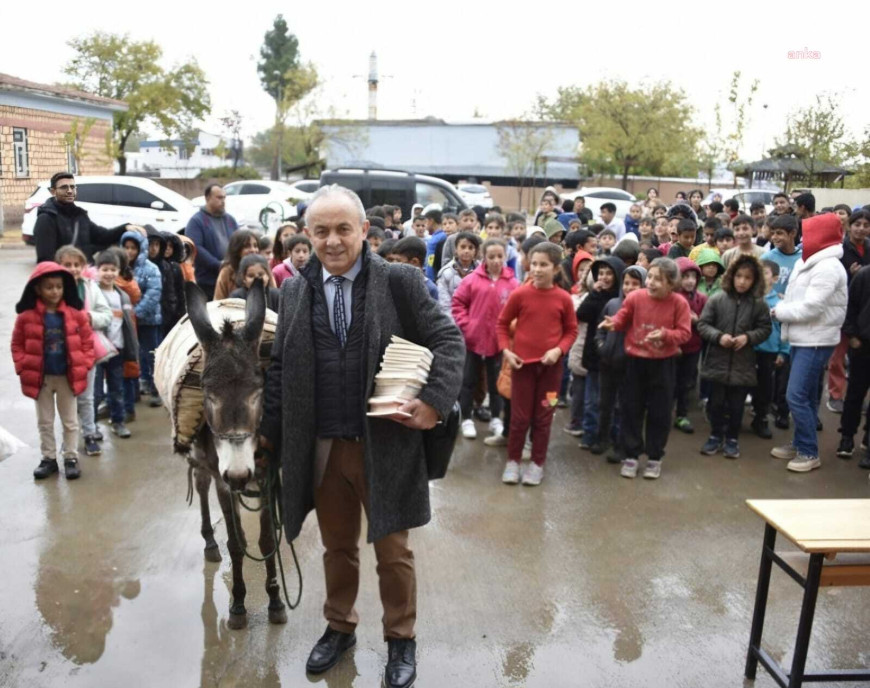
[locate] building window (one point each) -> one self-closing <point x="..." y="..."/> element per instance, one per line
<point x="19" y="152"/>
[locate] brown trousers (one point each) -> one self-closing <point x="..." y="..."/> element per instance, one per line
<point x="56" y="390"/>
<point x="337" y="501"/>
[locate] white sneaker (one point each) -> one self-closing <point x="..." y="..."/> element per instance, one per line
<point x="496" y="427"/>
<point x="803" y="463"/>
<point x="511" y="475"/>
<point x="469" y="432"/>
<point x="495" y="441"/>
<point x="629" y="468"/>
<point x="785" y="451"/>
<point x="527" y="450"/>
<point x="533" y="474"/>
<point x="652" y="470"/>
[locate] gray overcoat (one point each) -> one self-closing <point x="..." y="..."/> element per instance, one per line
<point x="394" y="462"/>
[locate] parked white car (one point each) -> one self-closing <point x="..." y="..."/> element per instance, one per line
<point x="113" y="201"/>
<point x="305" y="188"/>
<point x="745" y="197"/>
<point x="259" y="203"/>
<point x="475" y="194"/>
<point x="596" y="196"/>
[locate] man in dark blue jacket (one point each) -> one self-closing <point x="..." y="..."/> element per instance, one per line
<point x="210" y="231"/>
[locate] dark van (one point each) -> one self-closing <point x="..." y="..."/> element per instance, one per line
<point x="393" y="187"/>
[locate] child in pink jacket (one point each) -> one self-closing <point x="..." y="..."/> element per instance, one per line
<point x="477" y="303"/>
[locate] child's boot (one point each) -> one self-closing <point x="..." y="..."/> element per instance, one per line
<point x="71" y="469"/>
<point x="45" y="468"/>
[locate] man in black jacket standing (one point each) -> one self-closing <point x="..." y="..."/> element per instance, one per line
<point x="337" y="318"/>
<point x="60" y="222"/>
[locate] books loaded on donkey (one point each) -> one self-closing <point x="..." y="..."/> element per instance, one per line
<point x="404" y="372"/>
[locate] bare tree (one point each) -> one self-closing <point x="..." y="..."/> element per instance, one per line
<point x="522" y="143"/>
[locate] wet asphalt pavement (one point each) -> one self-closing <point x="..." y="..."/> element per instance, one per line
<point x="588" y="580"/>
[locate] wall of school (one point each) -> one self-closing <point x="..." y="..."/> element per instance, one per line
<point x="46" y="151"/>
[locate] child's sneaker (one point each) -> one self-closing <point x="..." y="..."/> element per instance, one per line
<point x="784" y="451"/>
<point x="599" y="447"/>
<point x="781" y="422"/>
<point x="629" y="468"/>
<point x="652" y="470"/>
<point x="98" y="436"/>
<point x="496" y="427"/>
<point x="573" y="430"/>
<point x="846" y="448"/>
<point x="712" y="446"/>
<point x="155" y="402"/>
<point x="469" y="432"/>
<point x="683" y="424"/>
<point x="45" y="468"/>
<point x="71" y="469"/>
<point x="527" y="450"/>
<point x="121" y="430"/>
<point x="802" y="463"/>
<point x="732" y="450"/>
<point x="495" y="441"/>
<point x="761" y="428"/>
<point x="865" y="440"/>
<point x="864" y="462"/>
<point x="585" y="443"/>
<point x="615" y="455"/>
<point x="533" y="474"/>
<point x="91" y="446"/>
<point x="511" y="475"/>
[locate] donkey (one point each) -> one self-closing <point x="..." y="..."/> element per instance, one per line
<point x="223" y="449"/>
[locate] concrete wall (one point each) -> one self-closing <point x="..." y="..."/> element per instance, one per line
<point x="47" y="153"/>
<point x="831" y="197"/>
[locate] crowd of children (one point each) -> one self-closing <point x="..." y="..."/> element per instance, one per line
<point x="621" y="321"/>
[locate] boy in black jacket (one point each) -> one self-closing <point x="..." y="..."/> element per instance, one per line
<point x="611" y="374"/>
<point x="174" y="257"/>
<point x="857" y="329"/>
<point x="607" y="277"/>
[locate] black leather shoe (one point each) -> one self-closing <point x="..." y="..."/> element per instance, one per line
<point x="328" y="650"/>
<point x="401" y="671"/>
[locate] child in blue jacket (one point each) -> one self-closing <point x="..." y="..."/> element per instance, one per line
<point x="772" y="361"/>
<point x="149" y="319"/>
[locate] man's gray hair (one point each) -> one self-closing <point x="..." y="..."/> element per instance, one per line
<point x="325" y="192"/>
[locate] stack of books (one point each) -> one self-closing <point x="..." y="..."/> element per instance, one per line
<point x="404" y="372"/>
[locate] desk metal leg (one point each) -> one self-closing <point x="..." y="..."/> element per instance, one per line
<point x="760" y="601"/>
<point x="805" y="625"/>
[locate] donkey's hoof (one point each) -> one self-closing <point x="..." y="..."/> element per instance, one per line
<point x="238" y="621"/>
<point x="278" y="616"/>
<point x="212" y="554"/>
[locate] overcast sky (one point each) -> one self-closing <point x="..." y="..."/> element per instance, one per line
<point x="448" y="59"/>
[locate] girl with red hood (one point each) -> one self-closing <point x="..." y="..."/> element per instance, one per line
<point x="52" y="348"/>
<point x="811" y="314"/>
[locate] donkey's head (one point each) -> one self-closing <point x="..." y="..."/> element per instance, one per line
<point x="232" y="381"/>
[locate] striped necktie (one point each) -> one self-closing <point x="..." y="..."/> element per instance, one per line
<point x="339" y="318"/>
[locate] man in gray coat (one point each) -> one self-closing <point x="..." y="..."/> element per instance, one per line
<point x="336" y="320"/>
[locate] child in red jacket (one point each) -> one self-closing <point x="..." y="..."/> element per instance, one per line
<point x="477" y="302"/>
<point x="546" y="329"/>
<point x="53" y="350"/>
<point x="656" y="322"/>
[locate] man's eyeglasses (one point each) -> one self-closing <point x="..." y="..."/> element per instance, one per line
<point x="66" y="187"/>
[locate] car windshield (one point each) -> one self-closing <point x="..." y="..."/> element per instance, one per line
<point x="473" y="188"/>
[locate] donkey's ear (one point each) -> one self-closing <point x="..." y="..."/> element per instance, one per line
<point x="255" y="311"/>
<point x="198" y="314"/>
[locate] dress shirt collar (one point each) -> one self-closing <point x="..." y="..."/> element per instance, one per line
<point x="351" y="274"/>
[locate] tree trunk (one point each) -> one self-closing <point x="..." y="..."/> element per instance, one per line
<point x="625" y="170"/>
<point x="122" y="164"/>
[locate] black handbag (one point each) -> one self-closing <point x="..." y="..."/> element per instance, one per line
<point x="438" y="442"/>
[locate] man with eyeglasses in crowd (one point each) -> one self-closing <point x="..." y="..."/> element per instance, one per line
<point x="60" y="222"/>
